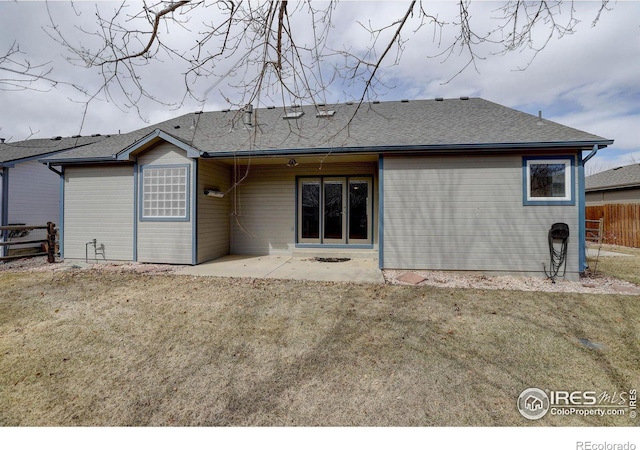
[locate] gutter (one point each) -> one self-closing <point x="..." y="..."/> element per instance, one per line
<point x="445" y="148"/>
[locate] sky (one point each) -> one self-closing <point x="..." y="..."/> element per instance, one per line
<point x="589" y="79"/>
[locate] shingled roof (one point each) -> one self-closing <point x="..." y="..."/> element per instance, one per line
<point x="465" y="123"/>
<point x="12" y="152"/>
<point x="618" y="178"/>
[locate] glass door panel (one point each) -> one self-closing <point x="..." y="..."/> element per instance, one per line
<point x="309" y="212"/>
<point x="359" y="194"/>
<point x="334" y="223"/>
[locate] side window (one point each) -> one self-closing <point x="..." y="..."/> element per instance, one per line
<point x="165" y="193"/>
<point x="548" y="181"/>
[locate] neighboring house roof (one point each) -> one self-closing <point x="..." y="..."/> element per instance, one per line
<point x="618" y="178"/>
<point x="448" y="124"/>
<point x="13" y="152"/>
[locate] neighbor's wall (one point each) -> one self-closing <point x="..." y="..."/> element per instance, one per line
<point x="213" y="213"/>
<point x="263" y="214"/>
<point x="34" y="197"/>
<point x="613" y="197"/>
<point x="98" y="204"/>
<point x="166" y="242"/>
<point x="467" y="213"/>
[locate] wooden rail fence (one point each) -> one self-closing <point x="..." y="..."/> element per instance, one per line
<point x="47" y="247"/>
<point x="620" y="223"/>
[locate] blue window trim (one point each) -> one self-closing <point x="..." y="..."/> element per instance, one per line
<point x="320" y="244"/>
<point x="187" y="217"/>
<point x="549" y="202"/>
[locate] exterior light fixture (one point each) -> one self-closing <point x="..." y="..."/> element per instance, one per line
<point x="213" y="193"/>
<point x="292" y="163"/>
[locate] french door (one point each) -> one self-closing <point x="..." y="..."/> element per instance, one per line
<point x="334" y="210"/>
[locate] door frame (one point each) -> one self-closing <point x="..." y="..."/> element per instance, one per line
<point x="321" y="242"/>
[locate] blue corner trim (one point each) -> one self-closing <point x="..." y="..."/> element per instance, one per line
<point x="582" y="231"/>
<point x="61" y="218"/>
<point x="194" y="214"/>
<point x="4" y="206"/>
<point x="135" y="212"/>
<point x="381" y="212"/>
<point x="549" y="202"/>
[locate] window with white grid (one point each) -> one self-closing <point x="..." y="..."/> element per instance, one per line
<point x="164" y="193"/>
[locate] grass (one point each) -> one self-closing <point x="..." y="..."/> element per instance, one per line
<point x="123" y="349"/>
<point x="624" y="268"/>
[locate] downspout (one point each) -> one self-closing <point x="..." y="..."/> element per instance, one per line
<point x="4" y="206"/>
<point x="582" y="211"/>
<point x="50" y="167"/>
<point x="591" y="155"/>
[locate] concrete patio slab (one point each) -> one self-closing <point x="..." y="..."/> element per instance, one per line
<point x="358" y="270"/>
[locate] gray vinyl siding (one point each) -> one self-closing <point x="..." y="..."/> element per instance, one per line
<point x="613" y="196"/>
<point x="466" y="213"/>
<point x="263" y="214"/>
<point x="34" y="197"/>
<point x="99" y="205"/>
<point x="213" y="213"/>
<point x="168" y="242"/>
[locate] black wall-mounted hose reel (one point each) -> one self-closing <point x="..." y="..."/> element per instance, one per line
<point x="558" y="237"/>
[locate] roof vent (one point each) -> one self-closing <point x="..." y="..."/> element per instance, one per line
<point x="464" y="98"/>
<point x="2" y="140"/>
<point x="404" y="100"/>
<point x="293" y="115"/>
<point x="375" y="102"/>
<point x="176" y="127"/>
<point x="57" y="138"/>
<point x="439" y="99"/>
<point x="325" y="113"/>
<point x="198" y="112"/>
<point x="617" y="168"/>
<point x="248" y="115"/>
<point x="349" y="103"/>
<point x="76" y="136"/>
<point x="96" y="135"/>
<point x="226" y="110"/>
<point x="271" y="107"/>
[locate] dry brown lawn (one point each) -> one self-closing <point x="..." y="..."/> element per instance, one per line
<point x="624" y="268"/>
<point x="126" y="349"/>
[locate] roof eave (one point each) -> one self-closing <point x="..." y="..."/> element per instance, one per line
<point x="83" y="160"/>
<point x="483" y="147"/>
<point x="613" y="187"/>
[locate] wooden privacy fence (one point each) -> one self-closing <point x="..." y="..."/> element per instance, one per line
<point x="620" y="223"/>
<point x="47" y="247"/>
